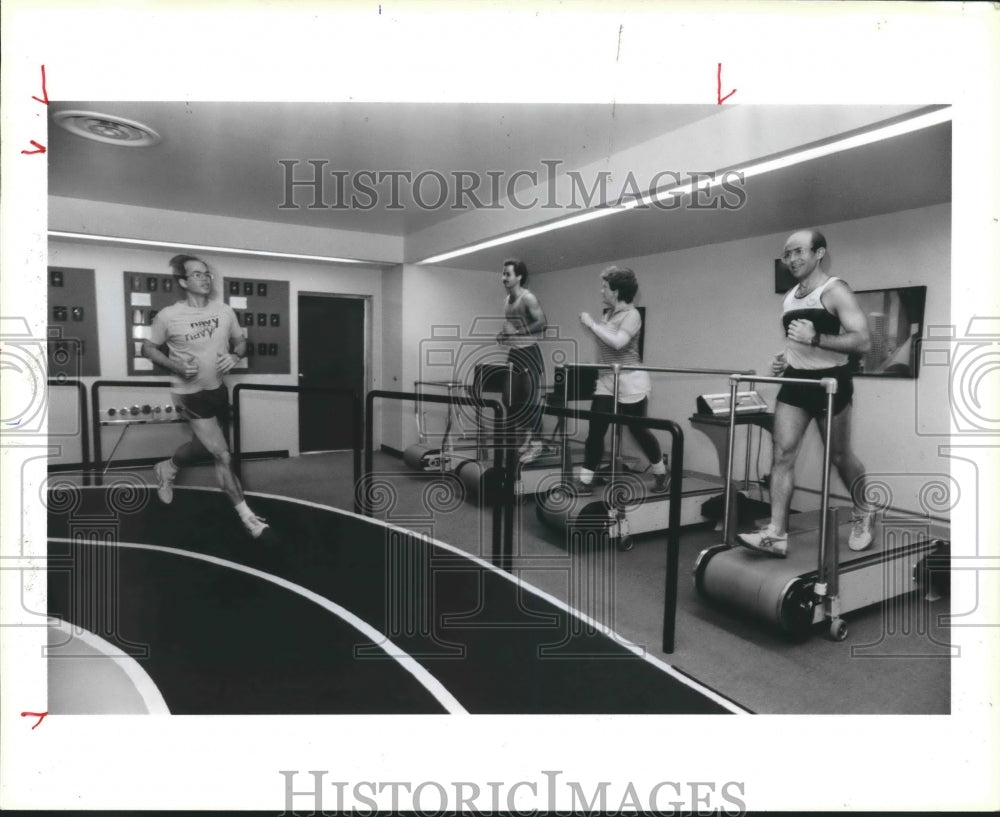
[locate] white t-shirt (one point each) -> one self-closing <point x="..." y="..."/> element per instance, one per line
<point x="202" y="334"/>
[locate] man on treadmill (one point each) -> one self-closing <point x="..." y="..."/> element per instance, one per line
<point x="823" y="325"/>
<point x="524" y="325"/>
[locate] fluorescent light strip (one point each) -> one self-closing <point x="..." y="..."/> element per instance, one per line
<point x="879" y="134"/>
<point x="590" y="215"/>
<point x="142" y="242"/>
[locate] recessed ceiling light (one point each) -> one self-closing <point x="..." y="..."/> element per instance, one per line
<point x="111" y="130"/>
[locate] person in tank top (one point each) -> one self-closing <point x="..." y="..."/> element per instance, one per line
<point x="824" y="325"/>
<point x="524" y="324"/>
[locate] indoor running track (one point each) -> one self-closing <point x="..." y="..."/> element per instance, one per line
<point x="344" y="614"/>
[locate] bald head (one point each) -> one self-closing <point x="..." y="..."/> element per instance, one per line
<point x="813" y="239"/>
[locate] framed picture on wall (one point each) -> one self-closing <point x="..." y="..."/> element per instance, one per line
<point x="896" y="320"/>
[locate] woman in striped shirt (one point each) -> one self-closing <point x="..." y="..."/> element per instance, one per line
<point x="617" y="336"/>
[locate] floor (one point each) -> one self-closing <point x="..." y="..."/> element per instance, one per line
<point x="329" y="613"/>
<point x="895" y="658"/>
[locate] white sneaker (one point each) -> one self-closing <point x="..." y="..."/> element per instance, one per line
<point x="766" y="541"/>
<point x="861" y="530"/>
<point x="164" y="481"/>
<point x="255" y="525"/>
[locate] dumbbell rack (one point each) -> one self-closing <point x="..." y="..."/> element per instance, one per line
<point x="126" y="417"/>
<point x="136" y="416"/>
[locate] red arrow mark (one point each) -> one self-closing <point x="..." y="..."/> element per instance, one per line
<point x="718" y="92"/>
<point x="45" y="94"/>
<point x="39" y="715"/>
<point x="41" y="149"/>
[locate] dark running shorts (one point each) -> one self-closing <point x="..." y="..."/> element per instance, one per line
<point x="201" y="405"/>
<point x="813" y="400"/>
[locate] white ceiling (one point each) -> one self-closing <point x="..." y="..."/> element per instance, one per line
<point x="223" y="159"/>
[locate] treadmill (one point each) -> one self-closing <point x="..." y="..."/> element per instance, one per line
<point x="626" y="506"/>
<point x="821" y="578"/>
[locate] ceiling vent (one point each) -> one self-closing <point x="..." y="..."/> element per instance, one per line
<point x="111" y="130"/>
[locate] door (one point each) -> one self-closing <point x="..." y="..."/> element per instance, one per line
<point x="333" y="352"/>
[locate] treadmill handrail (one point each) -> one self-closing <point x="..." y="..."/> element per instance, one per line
<point x="450" y="385"/>
<point x="829" y="385"/>
<point x="444" y="384"/>
<point x="618" y="368"/>
<point x="660" y="369"/>
<point x="503" y="511"/>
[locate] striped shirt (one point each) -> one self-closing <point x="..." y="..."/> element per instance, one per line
<point x="632" y="386"/>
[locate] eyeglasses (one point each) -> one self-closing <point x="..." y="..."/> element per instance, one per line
<point x="798" y="252"/>
<point x="199" y="274"/>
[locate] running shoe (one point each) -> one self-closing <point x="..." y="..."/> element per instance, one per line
<point x="766" y="541"/>
<point x="164" y="481"/>
<point x="861" y="530"/>
<point x="255" y="525"/>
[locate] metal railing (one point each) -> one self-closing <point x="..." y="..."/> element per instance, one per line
<point x="95" y="408"/>
<point x="675" y="492"/>
<point x="84" y="422"/>
<point x="617" y="369"/>
<point x="503" y="508"/>
<point x="451" y="386"/>
<point x="356" y="424"/>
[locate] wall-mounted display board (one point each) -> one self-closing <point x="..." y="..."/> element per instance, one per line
<point x="73" y="349"/>
<point x="263" y="311"/>
<point x="146" y="293"/>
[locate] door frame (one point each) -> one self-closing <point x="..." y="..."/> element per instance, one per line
<point x="366" y="331"/>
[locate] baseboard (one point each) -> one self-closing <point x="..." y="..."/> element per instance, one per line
<point x="388" y="449"/>
<point x="277" y="454"/>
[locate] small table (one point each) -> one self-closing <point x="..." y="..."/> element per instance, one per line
<point x="716" y="427"/>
